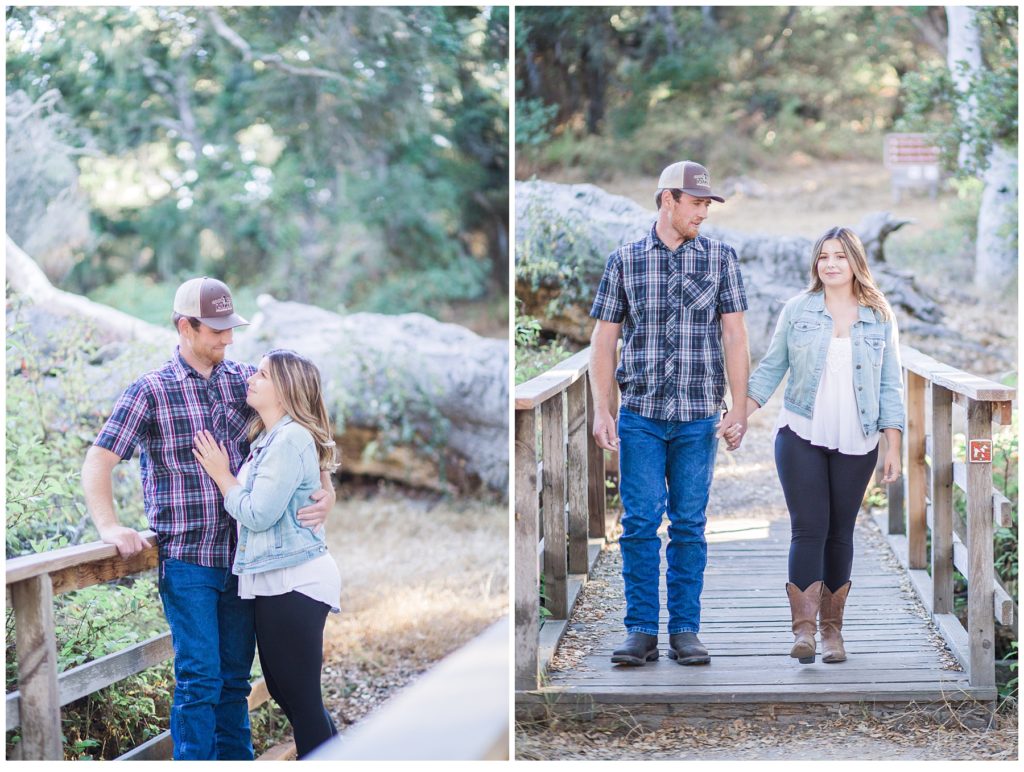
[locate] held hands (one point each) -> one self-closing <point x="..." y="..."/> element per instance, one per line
<point x="213" y="457"/>
<point x="732" y="428"/>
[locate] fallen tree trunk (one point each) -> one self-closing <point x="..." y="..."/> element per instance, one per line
<point x="414" y="381"/>
<point x="412" y="399"/>
<point x="565" y="233"/>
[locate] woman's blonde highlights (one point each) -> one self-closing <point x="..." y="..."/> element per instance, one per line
<point x="297" y="382"/>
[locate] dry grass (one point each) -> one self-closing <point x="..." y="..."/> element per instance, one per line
<point x="420" y="578"/>
<point x="860" y="737"/>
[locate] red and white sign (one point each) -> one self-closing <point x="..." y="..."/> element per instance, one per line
<point x="979" y="451"/>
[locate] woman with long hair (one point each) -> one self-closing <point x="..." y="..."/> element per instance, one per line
<point x="840" y="343"/>
<point x="284" y="567"/>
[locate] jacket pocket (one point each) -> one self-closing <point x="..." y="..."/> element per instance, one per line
<point x="803" y="333"/>
<point x="876" y="348"/>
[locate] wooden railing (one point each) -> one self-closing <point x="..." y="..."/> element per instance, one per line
<point x="560" y="508"/>
<point x="32" y="583"/>
<point x="457" y="711"/>
<point x="922" y="503"/>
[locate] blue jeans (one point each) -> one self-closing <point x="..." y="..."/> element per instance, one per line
<point x="214" y="638"/>
<point x="664" y="465"/>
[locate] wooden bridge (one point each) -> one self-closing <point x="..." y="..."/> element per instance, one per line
<point x="906" y="646"/>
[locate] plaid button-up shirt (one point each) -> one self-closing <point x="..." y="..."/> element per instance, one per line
<point x="161" y="413"/>
<point x="670" y="305"/>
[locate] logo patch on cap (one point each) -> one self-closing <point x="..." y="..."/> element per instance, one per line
<point x="222" y="305"/>
<point x="703" y="180"/>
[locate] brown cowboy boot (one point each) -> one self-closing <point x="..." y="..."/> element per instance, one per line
<point x="832" y="606"/>
<point x="803" y="605"/>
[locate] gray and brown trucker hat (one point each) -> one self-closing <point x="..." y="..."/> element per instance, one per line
<point x="209" y="301"/>
<point x="689" y="177"/>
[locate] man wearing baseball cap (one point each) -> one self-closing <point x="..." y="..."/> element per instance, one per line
<point x="677" y="300"/>
<point x="212" y="629"/>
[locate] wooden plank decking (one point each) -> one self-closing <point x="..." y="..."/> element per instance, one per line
<point x="895" y="656"/>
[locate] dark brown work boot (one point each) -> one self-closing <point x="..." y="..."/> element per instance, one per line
<point x="686" y="649"/>
<point x="638" y="649"/>
<point x="803" y="606"/>
<point x="832" y="606"/>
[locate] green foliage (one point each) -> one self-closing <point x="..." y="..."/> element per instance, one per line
<point x="532" y="120"/>
<point x="735" y="87"/>
<point x="983" y="114"/>
<point x="47" y="433"/>
<point x="101" y="620"/>
<point x="343" y="146"/>
<point x="1008" y="691"/>
<point x="548" y="235"/>
<point x="533" y="355"/>
<point x="1006" y="478"/>
<point x="545" y="613"/>
<point x="876" y="498"/>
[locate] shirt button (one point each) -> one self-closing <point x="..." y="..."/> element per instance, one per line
<point x="858" y="367"/>
<point x="862" y="412"/>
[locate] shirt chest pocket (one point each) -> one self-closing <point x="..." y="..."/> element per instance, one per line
<point x="697" y="291"/>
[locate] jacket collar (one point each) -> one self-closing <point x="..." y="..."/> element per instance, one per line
<point x="817" y="303"/>
<point x="266" y="436"/>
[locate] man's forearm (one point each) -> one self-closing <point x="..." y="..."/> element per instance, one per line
<point x="737" y="367"/>
<point x="602" y="376"/>
<point x="99" y="495"/>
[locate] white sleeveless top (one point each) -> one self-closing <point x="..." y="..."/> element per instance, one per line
<point x="318" y="578"/>
<point x="835" y="423"/>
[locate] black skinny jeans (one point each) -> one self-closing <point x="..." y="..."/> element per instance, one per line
<point x="290" y="637"/>
<point x="824" y="489"/>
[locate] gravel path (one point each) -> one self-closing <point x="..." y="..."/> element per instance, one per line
<point x="746" y="487"/>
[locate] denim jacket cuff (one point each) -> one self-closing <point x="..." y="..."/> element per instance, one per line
<point x="233" y="500"/>
<point x="758" y="398"/>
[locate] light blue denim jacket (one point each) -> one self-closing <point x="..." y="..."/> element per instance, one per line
<point x="283" y="471"/>
<point x="800" y="345"/>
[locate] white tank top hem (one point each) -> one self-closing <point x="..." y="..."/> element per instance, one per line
<point x="318" y="578"/>
<point x="834" y="422"/>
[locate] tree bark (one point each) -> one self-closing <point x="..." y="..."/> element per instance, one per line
<point x="964" y="46"/>
<point x="995" y="265"/>
<point x="995" y="258"/>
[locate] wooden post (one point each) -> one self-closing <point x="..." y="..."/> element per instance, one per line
<point x="942" y="500"/>
<point x="917" y="523"/>
<point x="595" y="473"/>
<point x="980" y="598"/>
<point x="894" y="493"/>
<point x="37" y="669"/>
<point x="553" y="497"/>
<point x="527" y="574"/>
<point x="578" y="479"/>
